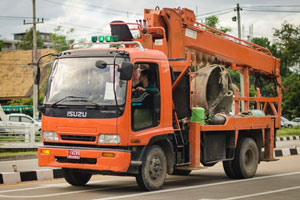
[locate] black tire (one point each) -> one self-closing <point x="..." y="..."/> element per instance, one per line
<point x="229" y="169"/>
<point x="181" y="172"/>
<point x="245" y="162"/>
<point x="76" y="177"/>
<point x="289" y="126"/>
<point x="246" y="159"/>
<point x="152" y="173"/>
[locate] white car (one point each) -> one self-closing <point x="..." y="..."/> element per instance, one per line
<point x="23" y="119"/>
<point x="289" y="124"/>
<point x="296" y="121"/>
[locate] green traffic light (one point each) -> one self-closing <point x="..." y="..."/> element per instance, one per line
<point x="94" y="38"/>
<point x="115" y="38"/>
<point x="101" y="38"/>
<point x="107" y="38"/>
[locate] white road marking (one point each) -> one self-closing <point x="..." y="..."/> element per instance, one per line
<point x="47" y="186"/>
<point x="64" y="193"/>
<point x="67" y="193"/>
<point x="196" y="186"/>
<point x="263" y="193"/>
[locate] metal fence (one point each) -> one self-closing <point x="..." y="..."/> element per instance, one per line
<point x="11" y="133"/>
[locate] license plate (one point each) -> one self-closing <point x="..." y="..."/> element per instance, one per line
<point x="74" y="154"/>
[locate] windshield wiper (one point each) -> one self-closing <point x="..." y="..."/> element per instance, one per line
<point x="72" y="97"/>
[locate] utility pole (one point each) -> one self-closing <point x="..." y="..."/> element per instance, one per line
<point x="34" y="64"/>
<point x="238" y="9"/>
<point x="34" y="52"/>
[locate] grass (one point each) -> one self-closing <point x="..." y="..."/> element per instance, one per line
<point x="11" y="138"/>
<point x="295" y="131"/>
<point x="18" y="153"/>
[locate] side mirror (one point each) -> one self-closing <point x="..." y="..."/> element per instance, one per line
<point x="126" y="71"/>
<point x="101" y="64"/>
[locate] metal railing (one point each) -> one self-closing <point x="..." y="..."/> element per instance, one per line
<point x="11" y="133"/>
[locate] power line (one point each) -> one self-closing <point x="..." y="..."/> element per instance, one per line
<point x="281" y="11"/>
<point x="274" y="6"/>
<point x="91" y="7"/>
<point x="223" y="13"/>
<point x="216" y="12"/>
<point x="15" y="17"/>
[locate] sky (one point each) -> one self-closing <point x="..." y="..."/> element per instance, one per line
<point x="92" y="17"/>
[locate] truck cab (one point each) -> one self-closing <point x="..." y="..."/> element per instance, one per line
<point x="91" y="118"/>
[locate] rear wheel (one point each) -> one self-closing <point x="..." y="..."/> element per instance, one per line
<point x="245" y="162"/>
<point x="76" y="177"/>
<point x="229" y="170"/>
<point x="152" y="173"/>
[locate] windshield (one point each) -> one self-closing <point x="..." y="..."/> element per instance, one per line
<point x="77" y="81"/>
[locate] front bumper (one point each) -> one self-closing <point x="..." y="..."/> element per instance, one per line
<point x="90" y="158"/>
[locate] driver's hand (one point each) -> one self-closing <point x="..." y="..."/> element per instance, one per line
<point x="138" y="89"/>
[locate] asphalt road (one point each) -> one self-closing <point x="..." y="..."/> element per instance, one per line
<point x="32" y="164"/>
<point x="274" y="180"/>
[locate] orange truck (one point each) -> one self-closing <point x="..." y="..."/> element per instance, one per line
<point x="94" y="121"/>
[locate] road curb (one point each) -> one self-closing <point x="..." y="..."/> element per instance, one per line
<point x="37" y="175"/>
<point x="288" y="138"/>
<point x="287" y="152"/>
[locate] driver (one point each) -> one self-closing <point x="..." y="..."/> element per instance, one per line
<point x="144" y="84"/>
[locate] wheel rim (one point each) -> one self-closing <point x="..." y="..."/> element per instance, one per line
<point x="155" y="168"/>
<point x="249" y="159"/>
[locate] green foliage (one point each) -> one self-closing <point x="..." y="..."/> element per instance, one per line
<point x="60" y="40"/>
<point x="1" y="45"/>
<point x="265" y="42"/>
<point x="27" y="101"/>
<point x="235" y="77"/>
<point x="287" y="38"/>
<point x="288" y="132"/>
<point x="291" y="98"/>
<point x="213" y="21"/>
<point x="27" y="41"/>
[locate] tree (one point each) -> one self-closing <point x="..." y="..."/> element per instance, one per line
<point x="1" y="45"/>
<point x="290" y="99"/>
<point x="287" y="38"/>
<point x="60" y="41"/>
<point x="213" y="21"/>
<point x="27" y="40"/>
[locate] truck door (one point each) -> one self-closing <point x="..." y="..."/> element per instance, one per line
<point x="145" y="96"/>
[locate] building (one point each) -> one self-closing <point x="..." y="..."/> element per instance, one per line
<point x="44" y="36"/>
<point x="9" y="45"/>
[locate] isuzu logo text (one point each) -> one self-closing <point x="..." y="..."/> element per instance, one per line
<point x="76" y="114"/>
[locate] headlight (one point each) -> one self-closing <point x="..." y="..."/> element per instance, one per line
<point x="108" y="139"/>
<point x="50" y="136"/>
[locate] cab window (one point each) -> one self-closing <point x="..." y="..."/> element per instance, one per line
<point x="145" y="96"/>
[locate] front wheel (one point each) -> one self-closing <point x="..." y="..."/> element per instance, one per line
<point x="152" y="173"/>
<point x="76" y="177"/>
